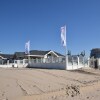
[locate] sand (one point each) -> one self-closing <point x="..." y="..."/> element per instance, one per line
<point x="49" y="84"/>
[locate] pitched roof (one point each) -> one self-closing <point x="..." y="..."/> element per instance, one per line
<point x="38" y="52"/>
<point x="7" y="55"/>
<point x="58" y="54"/>
<point x="35" y="52"/>
<point x="96" y="49"/>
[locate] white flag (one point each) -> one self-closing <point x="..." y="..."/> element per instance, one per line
<point x="63" y="35"/>
<point x="27" y="47"/>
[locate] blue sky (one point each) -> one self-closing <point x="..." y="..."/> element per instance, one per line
<point x="40" y="20"/>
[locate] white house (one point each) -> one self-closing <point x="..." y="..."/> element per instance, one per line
<point x="45" y="56"/>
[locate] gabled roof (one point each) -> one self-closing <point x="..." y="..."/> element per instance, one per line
<point x="32" y="52"/>
<point x="8" y="56"/>
<point x="36" y="53"/>
<point x="40" y="52"/>
<point x="58" y="54"/>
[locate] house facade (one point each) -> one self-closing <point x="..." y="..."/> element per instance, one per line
<point x="5" y="57"/>
<point x="34" y="55"/>
<point x="39" y="56"/>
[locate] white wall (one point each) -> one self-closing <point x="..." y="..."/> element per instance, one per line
<point x="6" y="66"/>
<point x="56" y="66"/>
<point x="52" y="65"/>
<point x="48" y="65"/>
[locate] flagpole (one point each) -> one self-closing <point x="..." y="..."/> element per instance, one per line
<point x="29" y="53"/>
<point x="63" y="38"/>
<point x="66" y="56"/>
<point x="28" y="58"/>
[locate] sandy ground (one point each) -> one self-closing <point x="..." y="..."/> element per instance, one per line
<point x="49" y="84"/>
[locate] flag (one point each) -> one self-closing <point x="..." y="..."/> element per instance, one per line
<point x="63" y="35"/>
<point x="27" y="47"/>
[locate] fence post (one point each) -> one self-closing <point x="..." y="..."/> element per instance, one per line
<point x="7" y="62"/>
<point x="88" y="62"/>
<point x="23" y="61"/>
<point x="93" y="62"/>
<point x="2" y="61"/>
<point x="41" y="60"/>
<point x="72" y="62"/>
<point x="51" y="59"/>
<point x="78" y="62"/>
<point x="36" y="60"/>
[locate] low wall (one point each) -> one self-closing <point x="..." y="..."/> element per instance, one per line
<point x="6" y="66"/>
<point x="56" y="66"/>
<point x="72" y="66"/>
<point x="22" y="65"/>
<point x="47" y="65"/>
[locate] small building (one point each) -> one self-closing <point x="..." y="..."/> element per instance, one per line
<point x="95" y="58"/>
<point x="5" y="57"/>
<point x="95" y="53"/>
<point x="19" y="55"/>
<point x="39" y="55"/>
<point x="45" y="55"/>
